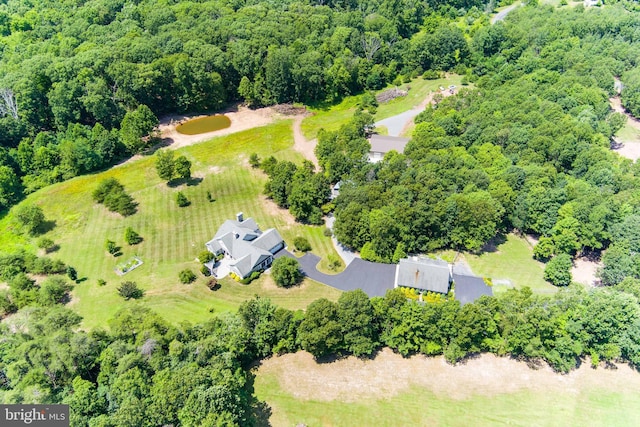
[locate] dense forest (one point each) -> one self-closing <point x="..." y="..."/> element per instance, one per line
<point x="527" y="148"/>
<point x="83" y="82"/>
<point x="145" y="372"/>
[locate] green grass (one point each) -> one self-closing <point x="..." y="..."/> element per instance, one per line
<point x="421" y="407"/>
<point x="173" y="236"/>
<point x="513" y="261"/>
<point x="331" y="118"/>
<point x="628" y="134"/>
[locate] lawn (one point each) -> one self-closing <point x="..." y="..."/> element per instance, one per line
<point x="173" y="236"/>
<point x="421" y="407"/>
<point x="511" y="261"/>
<point x="332" y="117"/>
<point x="628" y="134"/>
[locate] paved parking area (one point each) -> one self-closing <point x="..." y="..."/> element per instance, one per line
<point x="373" y="278"/>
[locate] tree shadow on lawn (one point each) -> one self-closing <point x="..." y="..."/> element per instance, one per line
<point x="260" y="411"/>
<point x="190" y="182"/>
<point x="492" y="245"/>
<point x="46" y="226"/>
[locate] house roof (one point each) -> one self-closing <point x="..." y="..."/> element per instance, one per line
<point x="245" y="243"/>
<point x="470" y="288"/>
<point x="424" y="273"/>
<point x="385" y="143"/>
<point x="268" y="240"/>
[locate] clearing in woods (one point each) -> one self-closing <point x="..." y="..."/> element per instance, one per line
<point x="390" y="390"/>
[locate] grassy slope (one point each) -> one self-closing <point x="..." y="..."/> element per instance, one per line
<point x="173" y="236"/>
<point x="332" y="117"/>
<point x="418" y="406"/>
<point x="513" y="261"/>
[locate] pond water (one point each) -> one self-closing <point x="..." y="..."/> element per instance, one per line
<point x="204" y="124"/>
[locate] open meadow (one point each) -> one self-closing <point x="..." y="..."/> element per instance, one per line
<point x="390" y="390"/>
<point x="173" y="236"/>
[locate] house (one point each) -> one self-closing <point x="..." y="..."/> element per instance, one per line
<point x="423" y="274"/>
<point x="335" y="190"/>
<point x="470" y="288"/>
<point x="431" y="275"/>
<point x="247" y="248"/>
<point x="382" y="144"/>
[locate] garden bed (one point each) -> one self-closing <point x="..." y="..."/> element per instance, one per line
<point x="132" y="264"/>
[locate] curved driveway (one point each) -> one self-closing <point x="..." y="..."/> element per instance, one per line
<point x="373" y="278"/>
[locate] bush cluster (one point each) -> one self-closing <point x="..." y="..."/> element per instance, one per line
<point x="111" y="193"/>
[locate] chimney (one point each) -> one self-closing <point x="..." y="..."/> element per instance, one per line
<point x="240" y="217"/>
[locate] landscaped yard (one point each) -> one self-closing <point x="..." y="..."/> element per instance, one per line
<point x="173" y="236"/>
<point x="511" y="261"/>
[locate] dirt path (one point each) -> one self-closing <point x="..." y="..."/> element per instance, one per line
<point x="626" y="148"/>
<point x="584" y="271"/>
<point x="301" y="144"/>
<point x="389" y="374"/>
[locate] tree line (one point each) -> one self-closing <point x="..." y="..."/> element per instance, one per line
<point x="82" y="83"/>
<point x="145" y="372"/>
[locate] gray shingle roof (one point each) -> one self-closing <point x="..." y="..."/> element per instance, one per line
<point x="470" y="288"/>
<point x="245" y="243"/>
<point x="425" y="274"/>
<point x="385" y="143"/>
<point x="268" y="240"/>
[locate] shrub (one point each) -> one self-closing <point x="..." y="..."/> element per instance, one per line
<point x="102" y="282"/>
<point x="54" y="290"/>
<point x="183" y="167"/>
<point x="21" y="282"/>
<point x="129" y="290"/>
<point x="334" y="262"/>
<point x="558" y="270"/>
<point x="205" y="271"/>
<point x="268" y="165"/>
<point x="30" y="217"/>
<point x="187" y="276"/>
<point x="327" y="232"/>
<point x="111" y="193"/>
<point x="213" y="284"/>
<point x="431" y="75"/>
<point x="301" y="244"/>
<point x="205" y="256"/>
<point x="250" y="278"/>
<point x="182" y="200"/>
<point x="6" y="304"/>
<point x="47" y="244"/>
<point x="72" y="273"/>
<point x="131" y="237"/>
<point x="286" y="272"/>
<point x="254" y="160"/>
<point x="111" y="247"/>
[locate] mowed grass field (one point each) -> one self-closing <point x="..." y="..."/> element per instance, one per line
<point x="389" y="390"/>
<point x="173" y="236"/>
<point x="332" y="117"/>
<point x="420" y="407"/>
<point x="511" y="261"/>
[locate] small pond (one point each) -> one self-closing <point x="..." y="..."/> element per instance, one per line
<point x="204" y="125"/>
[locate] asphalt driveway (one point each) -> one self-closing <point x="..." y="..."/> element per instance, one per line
<point x="373" y="278"/>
